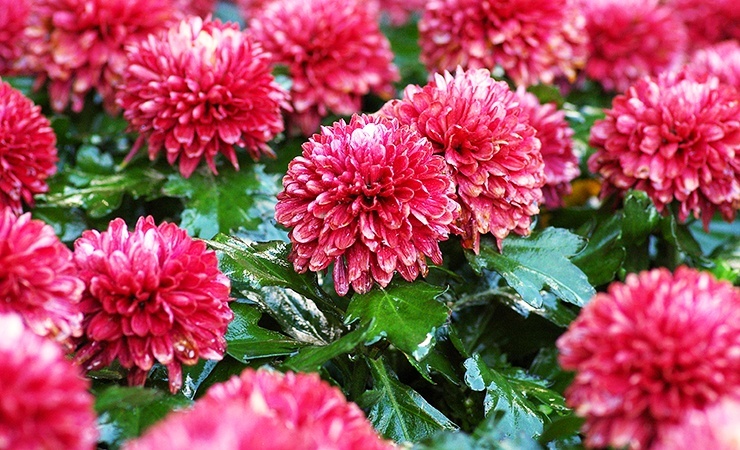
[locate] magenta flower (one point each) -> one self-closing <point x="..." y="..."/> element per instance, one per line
<point x="649" y="351"/>
<point x="629" y="39"/>
<point x="556" y="136"/>
<point x="531" y="40"/>
<point x="714" y="428"/>
<point x="369" y="197"/>
<point x="677" y="139"/>
<point x="153" y="295"/>
<point x="334" y="52"/>
<point x="78" y="45"/>
<point x="38" y="279"/>
<point x="262" y="409"/>
<point x="201" y="8"/>
<point x="399" y="12"/>
<point x="44" y="403"/>
<point x="13" y="19"/>
<point x="721" y="60"/>
<point x="490" y="148"/>
<point x="199" y="90"/>
<point x="708" y="22"/>
<point x="28" y="153"/>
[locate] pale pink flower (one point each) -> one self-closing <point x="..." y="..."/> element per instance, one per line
<point x="77" y="46"/>
<point x="44" y="403"/>
<point x="531" y="40"/>
<point x="13" y="20"/>
<point x="650" y="350"/>
<point x="28" y="153"/>
<point x="200" y="89"/>
<point x="492" y="152"/>
<point x="715" y="428"/>
<point x="677" y="139"/>
<point x="708" y="21"/>
<point x="629" y="39"/>
<point x="556" y="136"/>
<point x="369" y="197"/>
<point x="334" y="52"/>
<point x="38" y="279"/>
<point x="153" y="295"/>
<point x="721" y="60"/>
<point x="263" y="409"/>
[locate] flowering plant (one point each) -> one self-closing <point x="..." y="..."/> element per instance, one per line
<point x="369" y="224"/>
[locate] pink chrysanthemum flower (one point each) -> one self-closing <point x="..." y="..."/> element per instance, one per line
<point x="721" y="60"/>
<point x="334" y="51"/>
<point x="531" y="40"/>
<point x="38" y="279"/>
<point x="13" y="20"/>
<point x="477" y="124"/>
<point x="629" y="39"/>
<point x="708" y="21"/>
<point x="369" y="197"/>
<point x="201" y="8"/>
<point x="650" y="350"/>
<point x="715" y="428"/>
<point x="400" y="11"/>
<point x="28" y="153"/>
<point x="153" y="295"/>
<point x="556" y="136"/>
<point x="676" y="139"/>
<point x="286" y="411"/>
<point x="250" y="8"/>
<point x="44" y="403"/>
<point x="78" y="45"/>
<point x="199" y="90"/>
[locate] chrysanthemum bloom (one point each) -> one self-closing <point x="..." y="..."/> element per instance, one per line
<point x="250" y="8"/>
<point x="650" y="350"/>
<point x="370" y="197"/>
<point x="708" y="22"/>
<point x="78" y="45"/>
<point x="492" y="152"/>
<point x="153" y="295"/>
<point x="532" y="40"/>
<point x="720" y="60"/>
<point x="38" y="279"/>
<point x="200" y="8"/>
<point x="44" y="403"/>
<point x="556" y="136"/>
<point x="200" y="89"/>
<point x="334" y="51"/>
<point x="676" y="139"/>
<point x="400" y="11"/>
<point x="715" y="428"/>
<point x="28" y="153"/>
<point x="13" y="20"/>
<point x="285" y="411"/>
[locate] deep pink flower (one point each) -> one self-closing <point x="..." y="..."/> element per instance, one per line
<point x="721" y="60"/>
<point x="400" y="11"/>
<point x="78" y="45"/>
<point x="650" y="350"/>
<point x="676" y="139"/>
<point x="708" y="21"/>
<point x="631" y="38"/>
<point x="153" y="295"/>
<point x="715" y="428"/>
<point x="262" y="409"/>
<point x="200" y="8"/>
<point x="38" y="279"/>
<point x="28" y="153"/>
<point x="532" y="40"/>
<point x="334" y="52"/>
<point x="199" y="90"/>
<point x="476" y="123"/>
<point x="44" y="403"/>
<point x="369" y="197"/>
<point x="556" y="136"/>
<point x="13" y="20"/>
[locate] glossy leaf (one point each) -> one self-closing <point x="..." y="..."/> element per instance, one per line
<point x="604" y="254"/>
<point x="247" y="340"/>
<point x="310" y="359"/>
<point x="640" y="217"/>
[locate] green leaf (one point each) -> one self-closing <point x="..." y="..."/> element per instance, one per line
<point x="125" y="412"/>
<point x="231" y="200"/>
<point x="640" y="217"/>
<point x="407" y="314"/>
<point x="246" y="340"/>
<point x="399" y="412"/>
<point x="540" y="261"/>
<point x="604" y="254"/>
<point x="68" y="223"/>
<point x="310" y="359"/>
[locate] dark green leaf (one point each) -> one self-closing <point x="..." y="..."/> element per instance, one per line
<point x="310" y="359"/>
<point x="640" y="217"/>
<point x="68" y="223"/>
<point x="538" y="262"/>
<point x="407" y="314"/>
<point x="604" y="254"/>
<point x="448" y="440"/>
<point x="246" y="340"/>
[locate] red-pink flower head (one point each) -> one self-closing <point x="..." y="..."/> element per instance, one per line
<point x="369" y="197"/>
<point x="629" y="39"/>
<point x="28" y="153"/>
<point x="200" y="89"/>
<point x="556" y="136"/>
<point x="262" y="409"/>
<point x="13" y="20"/>
<point x="153" y="295"/>
<point x="721" y="60"/>
<point x="38" y="279"/>
<point x="677" y="139"/>
<point x="708" y="21"/>
<point x="494" y="157"/>
<point x="44" y="403"/>
<point x="399" y="12"/>
<point x="650" y="350"/>
<point x="200" y="8"/>
<point x="531" y="40"/>
<point x="78" y="45"/>
<point x="715" y="428"/>
<point x="334" y="51"/>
